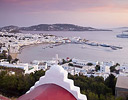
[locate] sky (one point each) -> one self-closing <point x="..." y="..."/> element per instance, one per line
<point x="88" y="13"/>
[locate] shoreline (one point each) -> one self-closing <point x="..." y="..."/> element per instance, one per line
<point x="15" y="55"/>
<point x="35" y="44"/>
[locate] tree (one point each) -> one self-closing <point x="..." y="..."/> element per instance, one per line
<point x="120" y="98"/>
<point x="9" y="58"/>
<point x="94" y="87"/>
<point x="112" y="68"/>
<point x="63" y="61"/>
<point x="111" y="82"/>
<point x="99" y="79"/>
<point x="102" y="97"/>
<point x="38" y="74"/>
<point x="4" y="52"/>
<point x="97" y="67"/>
<point x="15" y="60"/>
<point x="89" y="64"/>
<point x="92" y="96"/>
<point x="9" y="85"/>
<point x="70" y="64"/>
<point x="3" y="55"/>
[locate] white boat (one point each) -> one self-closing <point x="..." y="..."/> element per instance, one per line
<point x="114" y="48"/>
<point x="50" y="46"/>
<point x="92" y="43"/>
<point x="83" y="47"/>
<point x="123" y="35"/>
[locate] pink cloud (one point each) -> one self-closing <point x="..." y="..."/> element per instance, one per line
<point x="66" y="5"/>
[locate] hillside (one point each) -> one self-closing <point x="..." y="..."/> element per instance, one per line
<point x="11" y="29"/>
<point x="50" y="27"/>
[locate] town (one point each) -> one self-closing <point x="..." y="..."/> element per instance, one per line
<point x="12" y="43"/>
<point x="73" y="66"/>
<point x="15" y="42"/>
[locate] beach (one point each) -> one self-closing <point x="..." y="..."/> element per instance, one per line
<point x="15" y="55"/>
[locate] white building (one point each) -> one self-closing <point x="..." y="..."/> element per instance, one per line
<point x="3" y="48"/>
<point x="78" y="62"/>
<point x="104" y="69"/>
<point x="42" y="66"/>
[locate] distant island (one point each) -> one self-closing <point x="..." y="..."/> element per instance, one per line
<point x="50" y="27"/>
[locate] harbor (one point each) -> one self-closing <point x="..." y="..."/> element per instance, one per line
<point x="44" y="45"/>
<point x="103" y="48"/>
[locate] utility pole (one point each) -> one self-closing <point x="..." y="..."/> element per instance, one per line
<point x="74" y="70"/>
<point x="8" y="50"/>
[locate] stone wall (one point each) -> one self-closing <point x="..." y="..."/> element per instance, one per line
<point x="120" y="92"/>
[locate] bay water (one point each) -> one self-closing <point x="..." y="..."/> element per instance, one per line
<point x="91" y="53"/>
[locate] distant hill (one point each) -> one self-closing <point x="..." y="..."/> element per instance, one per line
<point x="11" y="28"/>
<point x="57" y="27"/>
<point x="122" y="28"/>
<point x="50" y="27"/>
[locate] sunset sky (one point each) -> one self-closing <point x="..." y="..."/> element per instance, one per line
<point x="94" y="13"/>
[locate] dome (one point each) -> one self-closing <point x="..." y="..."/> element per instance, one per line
<point x="48" y="92"/>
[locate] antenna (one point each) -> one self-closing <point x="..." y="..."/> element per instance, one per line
<point x="57" y="59"/>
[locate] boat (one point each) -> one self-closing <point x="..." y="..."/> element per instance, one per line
<point x="123" y="35"/>
<point x="50" y="46"/>
<point x="83" y="47"/>
<point x="104" y="45"/>
<point x="57" y="44"/>
<point x="114" y="47"/>
<point x="119" y="47"/>
<point x="43" y="47"/>
<point x="92" y="43"/>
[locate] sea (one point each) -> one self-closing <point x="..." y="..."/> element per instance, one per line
<point x="89" y="53"/>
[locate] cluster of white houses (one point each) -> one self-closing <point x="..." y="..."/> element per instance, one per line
<point x="14" y="41"/>
<point x="76" y="66"/>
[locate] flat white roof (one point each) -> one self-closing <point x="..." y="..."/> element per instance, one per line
<point x="122" y="82"/>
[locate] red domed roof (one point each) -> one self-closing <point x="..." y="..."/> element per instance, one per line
<point x="48" y="92"/>
<point x="3" y="98"/>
